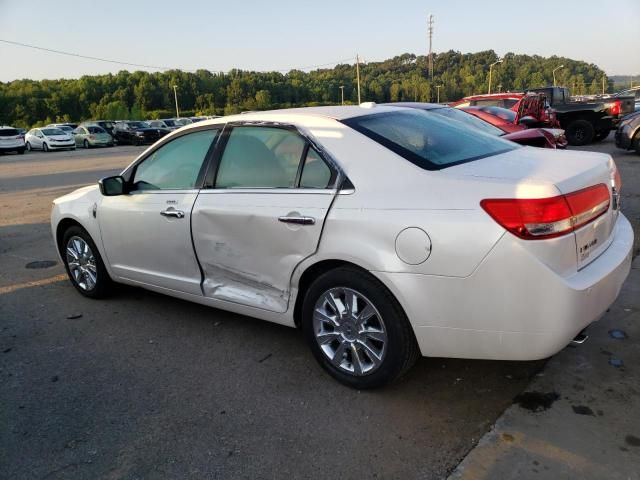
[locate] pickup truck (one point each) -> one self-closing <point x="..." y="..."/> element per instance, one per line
<point x="586" y="121"/>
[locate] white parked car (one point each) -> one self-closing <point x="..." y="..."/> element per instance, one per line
<point x="384" y="233"/>
<point x="11" y="140"/>
<point x="49" y="138"/>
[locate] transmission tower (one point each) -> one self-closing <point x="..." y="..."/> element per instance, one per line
<point x="430" y="30"/>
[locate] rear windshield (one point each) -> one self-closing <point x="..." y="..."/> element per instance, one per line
<point x="468" y="119"/>
<point x="8" y="132"/>
<point x="503" y="113"/>
<point x="428" y="141"/>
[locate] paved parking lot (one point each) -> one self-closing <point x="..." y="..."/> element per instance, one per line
<point x="146" y="386"/>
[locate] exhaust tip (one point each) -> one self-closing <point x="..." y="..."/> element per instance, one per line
<point x="580" y="338"/>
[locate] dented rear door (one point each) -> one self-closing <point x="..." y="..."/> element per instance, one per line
<point x="262" y="217"/>
<point x="246" y="253"/>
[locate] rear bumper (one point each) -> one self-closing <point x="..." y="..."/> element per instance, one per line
<point x="16" y="148"/>
<point x="513" y="307"/>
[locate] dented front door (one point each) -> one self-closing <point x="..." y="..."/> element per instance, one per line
<point x="248" y="242"/>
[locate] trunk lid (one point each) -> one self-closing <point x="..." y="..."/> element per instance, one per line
<point x="567" y="171"/>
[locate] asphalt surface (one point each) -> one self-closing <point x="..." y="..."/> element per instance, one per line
<point x="147" y="386"/>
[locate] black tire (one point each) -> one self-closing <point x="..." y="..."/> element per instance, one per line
<point x="28" y="146"/>
<point x="600" y="135"/>
<point x="103" y="285"/>
<point x="636" y="143"/>
<point x="579" y="132"/>
<point x="85" y="144"/>
<point x="45" y="147"/>
<point x="401" y="347"/>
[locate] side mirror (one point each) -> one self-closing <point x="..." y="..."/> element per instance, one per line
<point x="111" y="186"/>
<point x="527" y="121"/>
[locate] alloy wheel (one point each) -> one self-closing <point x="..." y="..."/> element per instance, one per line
<point x="82" y="263"/>
<point x="350" y="331"/>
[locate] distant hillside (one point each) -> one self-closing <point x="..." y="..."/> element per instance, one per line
<point x="620" y="82"/>
<point x="405" y="77"/>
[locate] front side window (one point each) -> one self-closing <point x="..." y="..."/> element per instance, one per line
<point x="260" y="157"/>
<point x="428" y="141"/>
<point x="176" y="165"/>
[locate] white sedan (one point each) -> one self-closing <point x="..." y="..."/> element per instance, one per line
<point x="384" y="233"/>
<point x="49" y="138"/>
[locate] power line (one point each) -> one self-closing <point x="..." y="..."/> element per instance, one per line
<point x="154" y="67"/>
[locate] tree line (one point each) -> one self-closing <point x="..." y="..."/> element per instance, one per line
<point x="139" y="95"/>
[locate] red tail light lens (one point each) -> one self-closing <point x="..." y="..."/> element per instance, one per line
<point x="615" y="108"/>
<point x="541" y="218"/>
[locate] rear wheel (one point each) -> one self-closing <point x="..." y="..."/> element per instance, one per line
<point x="84" y="264"/>
<point x="356" y="329"/>
<point x="579" y="132"/>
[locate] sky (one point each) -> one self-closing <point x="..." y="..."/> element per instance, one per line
<point x="284" y="34"/>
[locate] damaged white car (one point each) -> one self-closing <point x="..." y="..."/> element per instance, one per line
<point x="384" y="233"/>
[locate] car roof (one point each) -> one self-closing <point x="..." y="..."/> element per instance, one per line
<point x="420" y="105"/>
<point x="304" y="114"/>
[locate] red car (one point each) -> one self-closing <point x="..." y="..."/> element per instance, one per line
<point x="509" y="122"/>
<point x="503" y="100"/>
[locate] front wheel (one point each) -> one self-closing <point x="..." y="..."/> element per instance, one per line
<point x="28" y="145"/>
<point x="84" y="264"/>
<point x="579" y="132"/>
<point x="86" y="144"/>
<point x="356" y="329"/>
<point x="45" y="147"/>
<point x="636" y="143"/>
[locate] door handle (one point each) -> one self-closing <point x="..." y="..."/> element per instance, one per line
<point x="172" y="212"/>
<point x="298" y="220"/>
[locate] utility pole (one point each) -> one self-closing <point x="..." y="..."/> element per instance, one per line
<point x="438" y="90"/>
<point x="341" y="94"/>
<point x="358" y="76"/>
<point x="175" y="94"/>
<point x="430" y="30"/>
<point x="603" y="84"/>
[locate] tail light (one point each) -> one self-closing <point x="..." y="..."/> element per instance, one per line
<point x="615" y="108"/>
<point x="616" y="179"/>
<point x="542" y="218"/>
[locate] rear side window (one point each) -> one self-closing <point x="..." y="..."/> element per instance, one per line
<point x="260" y="157"/>
<point x="8" y="132"/>
<point x="315" y="172"/>
<point x="428" y="141"/>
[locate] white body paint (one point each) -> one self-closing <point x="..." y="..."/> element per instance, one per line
<point x="469" y="288"/>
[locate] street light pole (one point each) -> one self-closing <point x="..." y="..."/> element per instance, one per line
<point x="438" y="90"/>
<point x="175" y="94"/>
<point x="341" y="94"/>
<point x="554" y="74"/>
<point x="490" y="70"/>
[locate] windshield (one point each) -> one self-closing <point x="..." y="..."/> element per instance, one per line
<point x="468" y="119"/>
<point x="95" y="129"/>
<point x="169" y="123"/>
<point x="137" y="124"/>
<point x="52" y="131"/>
<point x="107" y="124"/>
<point x="428" y="141"/>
